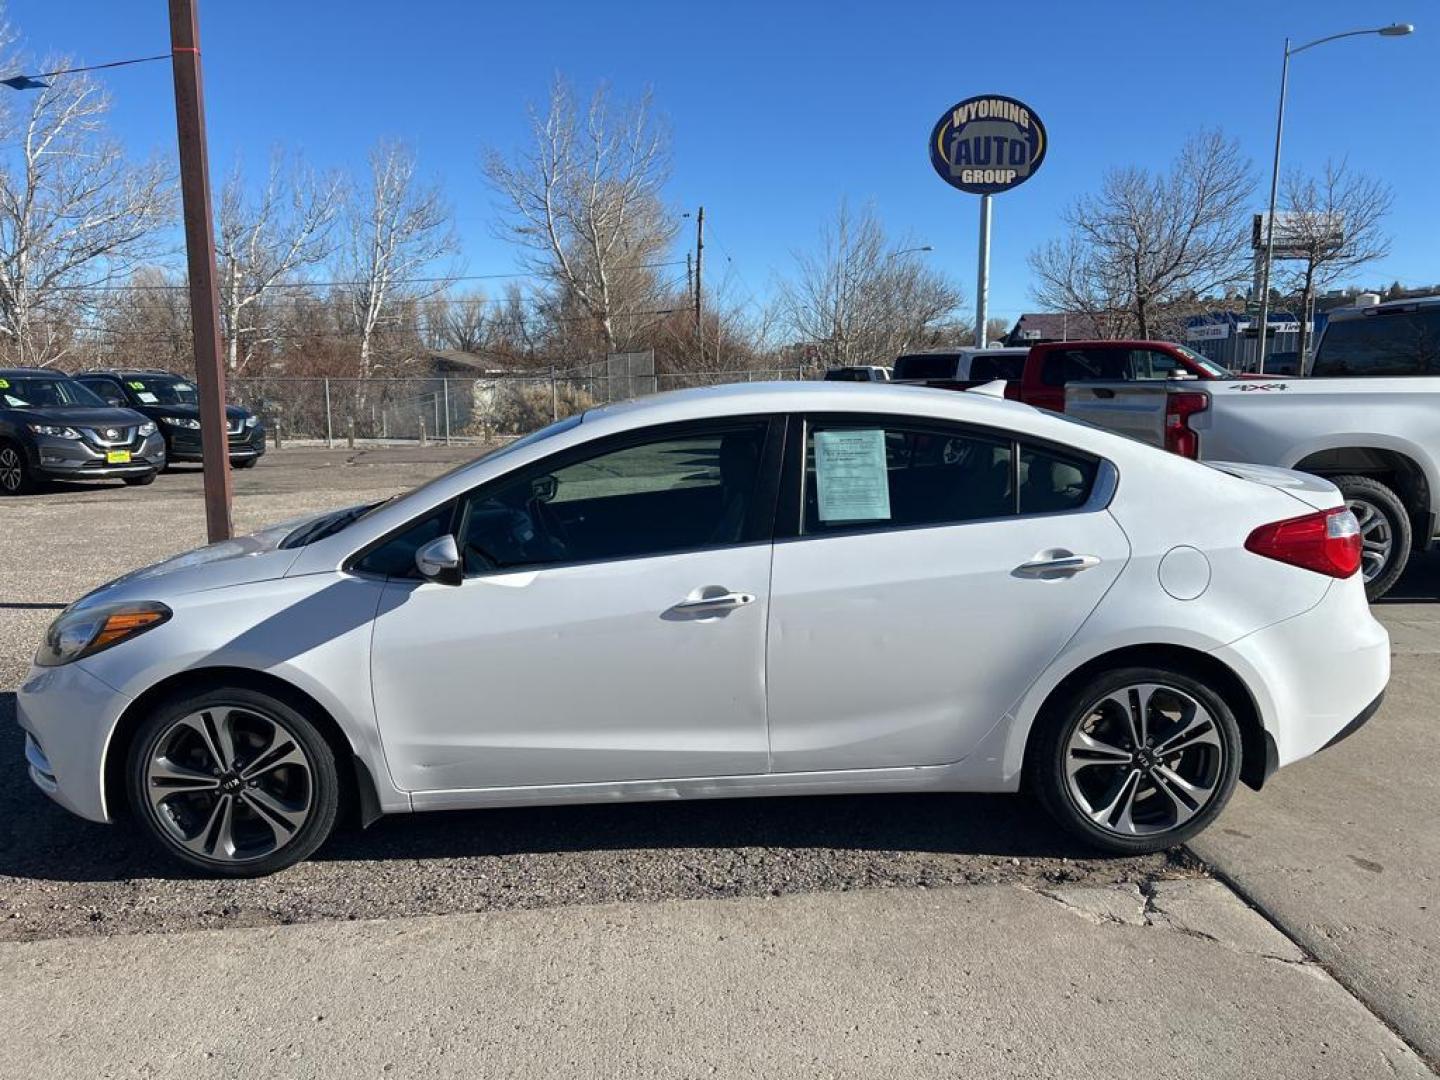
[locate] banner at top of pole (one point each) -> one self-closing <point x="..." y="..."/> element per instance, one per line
<point x="988" y="144"/>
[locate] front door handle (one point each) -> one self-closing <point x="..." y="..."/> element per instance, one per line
<point x="1059" y="565"/>
<point x="713" y="602"/>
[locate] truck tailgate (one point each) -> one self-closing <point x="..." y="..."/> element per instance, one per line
<point x="1136" y="409"/>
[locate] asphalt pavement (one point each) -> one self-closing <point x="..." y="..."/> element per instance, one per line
<point x="914" y="935"/>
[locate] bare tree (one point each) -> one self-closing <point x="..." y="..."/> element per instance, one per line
<point x="457" y="322"/>
<point x="398" y="228"/>
<point x="860" y="298"/>
<point x="584" y="203"/>
<point x="1148" y="241"/>
<point x="267" y="241"/>
<point x="1331" y="227"/>
<point x="74" y="214"/>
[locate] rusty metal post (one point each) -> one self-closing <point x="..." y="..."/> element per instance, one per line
<point x="200" y="255"/>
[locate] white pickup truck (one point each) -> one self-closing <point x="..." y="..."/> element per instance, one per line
<point x="1377" y="438"/>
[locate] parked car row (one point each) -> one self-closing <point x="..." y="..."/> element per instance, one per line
<point x="102" y="425"/>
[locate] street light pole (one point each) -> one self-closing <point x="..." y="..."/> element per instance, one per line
<point x="200" y="256"/>
<point x="1393" y="30"/>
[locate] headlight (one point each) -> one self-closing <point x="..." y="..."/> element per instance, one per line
<point x="85" y="632"/>
<point x="182" y="421"/>
<point x="147" y="429"/>
<point x="56" y="430"/>
<point x="251" y="421"/>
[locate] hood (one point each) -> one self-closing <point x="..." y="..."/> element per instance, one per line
<point x="1313" y="491"/>
<point x="82" y="415"/>
<point x="232" y="412"/>
<point x="241" y="561"/>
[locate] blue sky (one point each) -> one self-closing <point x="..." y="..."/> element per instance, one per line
<point x="781" y="108"/>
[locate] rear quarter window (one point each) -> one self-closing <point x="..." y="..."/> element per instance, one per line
<point x="1405" y="343"/>
<point x="926" y="366"/>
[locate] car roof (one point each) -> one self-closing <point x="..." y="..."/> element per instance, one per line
<point x="1345" y="314"/>
<point x="739" y="399"/>
<point x="122" y="372"/>
<point x="20" y="372"/>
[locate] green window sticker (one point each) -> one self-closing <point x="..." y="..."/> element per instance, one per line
<point x="850" y="476"/>
<point x="135" y="384"/>
<point x="4" y="384"/>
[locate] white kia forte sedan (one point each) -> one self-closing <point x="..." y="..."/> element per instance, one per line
<point x="781" y="589"/>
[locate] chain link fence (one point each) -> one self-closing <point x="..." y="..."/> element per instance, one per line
<point x="449" y="409"/>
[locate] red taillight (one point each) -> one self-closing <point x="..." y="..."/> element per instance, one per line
<point x="1179" y="439"/>
<point x="1327" y="541"/>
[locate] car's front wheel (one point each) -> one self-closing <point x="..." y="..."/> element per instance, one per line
<point x="15" y="478"/>
<point x="233" y="782"/>
<point x="1136" y="760"/>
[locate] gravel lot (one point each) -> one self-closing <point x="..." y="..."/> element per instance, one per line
<point x="60" y="876"/>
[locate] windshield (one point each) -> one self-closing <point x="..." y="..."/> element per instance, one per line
<point x="46" y="391"/>
<point x="1405" y="343"/>
<point x="162" y="389"/>
<point x="1205" y="364"/>
<point x="330" y="524"/>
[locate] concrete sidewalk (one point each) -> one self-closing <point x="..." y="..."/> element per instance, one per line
<point x="991" y="981"/>
<point x="1343" y="850"/>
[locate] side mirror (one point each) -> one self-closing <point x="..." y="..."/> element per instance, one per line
<point x="439" y="560"/>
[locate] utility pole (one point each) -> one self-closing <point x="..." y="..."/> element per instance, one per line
<point x="699" y="277"/>
<point x="200" y="256"/>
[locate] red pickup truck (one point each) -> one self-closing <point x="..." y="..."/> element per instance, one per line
<point x="1041" y="375"/>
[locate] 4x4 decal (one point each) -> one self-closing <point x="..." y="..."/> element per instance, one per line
<point x="1248" y="386"/>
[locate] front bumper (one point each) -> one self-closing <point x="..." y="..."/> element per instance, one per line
<point x="185" y="444"/>
<point x="76" y="459"/>
<point x="1316" y="677"/>
<point x="68" y="716"/>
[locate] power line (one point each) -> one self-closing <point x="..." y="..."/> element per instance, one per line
<point x="444" y="280"/>
<point x="32" y="82"/>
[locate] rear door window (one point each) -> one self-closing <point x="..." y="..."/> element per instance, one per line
<point x="1405" y="343"/>
<point x="1063" y="366"/>
<point x="926" y="366"/>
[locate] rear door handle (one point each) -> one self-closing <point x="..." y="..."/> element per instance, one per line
<point x="715" y="602"/>
<point x="1058" y="566"/>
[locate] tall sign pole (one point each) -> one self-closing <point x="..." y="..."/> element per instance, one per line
<point x="983" y="146"/>
<point x="200" y="255"/>
<point x="982" y="279"/>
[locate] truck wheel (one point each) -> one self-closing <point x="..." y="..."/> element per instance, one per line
<point x="1384" y="530"/>
<point x="15" y="478"/>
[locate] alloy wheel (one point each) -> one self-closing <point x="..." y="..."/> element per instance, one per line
<point x="230" y="784"/>
<point x="12" y="469"/>
<point x="1376" y="537"/>
<point x="1144" y="759"/>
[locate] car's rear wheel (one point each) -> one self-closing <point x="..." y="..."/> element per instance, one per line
<point x="1136" y="760"/>
<point x="1385" y="532"/>
<point x="233" y="782"/>
<point x="15" y="478"/>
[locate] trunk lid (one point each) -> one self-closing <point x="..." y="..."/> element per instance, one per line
<point x="1313" y="491"/>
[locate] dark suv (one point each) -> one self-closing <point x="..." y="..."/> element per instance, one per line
<point x="53" y="428"/>
<point x="171" y="402"/>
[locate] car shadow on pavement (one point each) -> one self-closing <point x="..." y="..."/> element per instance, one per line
<point x="41" y="841"/>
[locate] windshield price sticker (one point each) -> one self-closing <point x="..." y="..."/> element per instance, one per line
<point x="850" y="478"/>
<point x="4" y="384"/>
<point x="146" y="397"/>
<point x="136" y="384"/>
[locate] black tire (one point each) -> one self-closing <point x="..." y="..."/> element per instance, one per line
<point x="1364" y="493"/>
<point x="1047" y="755"/>
<point x="15" y="477"/>
<point x="140" y="481"/>
<point x="243" y="463"/>
<point x="322" y="784"/>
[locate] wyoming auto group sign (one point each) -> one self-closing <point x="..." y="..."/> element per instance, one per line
<point x="986" y="145"/>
